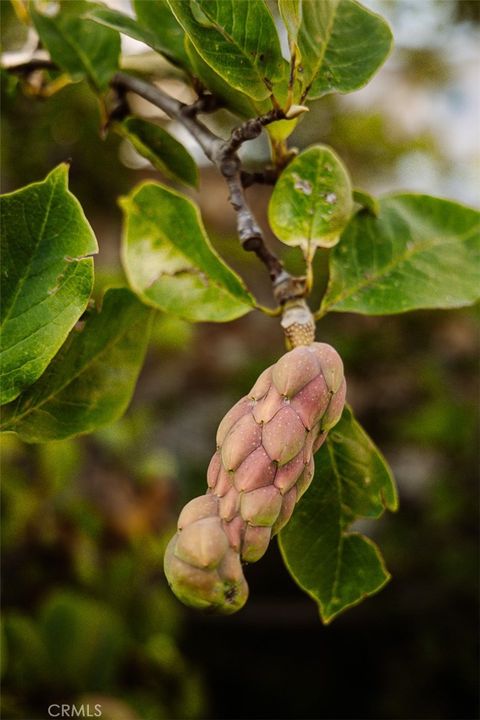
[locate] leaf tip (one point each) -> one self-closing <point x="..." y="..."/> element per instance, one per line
<point x="391" y="501"/>
<point x="60" y="173"/>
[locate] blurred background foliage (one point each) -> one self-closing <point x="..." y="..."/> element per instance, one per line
<point x="87" y="615"/>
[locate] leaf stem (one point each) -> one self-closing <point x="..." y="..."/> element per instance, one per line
<point x="320" y="313"/>
<point x="271" y="312"/>
<point x="309" y="278"/>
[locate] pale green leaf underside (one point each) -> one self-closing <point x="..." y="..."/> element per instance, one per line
<point x="291" y="14"/>
<point x="46" y="277"/>
<point x="80" y="47"/>
<point x="161" y="149"/>
<point x="342" y="44"/>
<point x="312" y="200"/>
<point x="237" y="39"/>
<point x="124" y="24"/>
<point x="335" y="567"/>
<point x="170" y="262"/>
<point x="91" y="380"/>
<point x="421" y="252"/>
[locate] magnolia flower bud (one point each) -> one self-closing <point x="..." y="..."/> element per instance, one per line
<point x="262" y="466"/>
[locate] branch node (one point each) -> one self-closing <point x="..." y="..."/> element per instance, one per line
<point x="229" y="165"/>
<point x="288" y="287"/>
<point x="298" y="323"/>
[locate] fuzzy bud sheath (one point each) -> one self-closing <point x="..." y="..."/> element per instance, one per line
<point x="262" y="466"/>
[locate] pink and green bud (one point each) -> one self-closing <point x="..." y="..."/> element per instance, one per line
<point x="255" y="542"/>
<point x="283" y="437"/>
<point x="198" y="508"/>
<point x="295" y="369"/>
<point x="262" y="466"/>
<point x="262" y="506"/>
<point x="207" y="589"/>
<point x="203" y="543"/>
<point x="255" y="471"/>
<point x="242" y="439"/>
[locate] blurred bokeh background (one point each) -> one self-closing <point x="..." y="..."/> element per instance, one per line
<point x="87" y="614"/>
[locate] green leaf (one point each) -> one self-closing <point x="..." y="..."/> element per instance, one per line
<point x="155" y="26"/>
<point x="170" y="35"/>
<point x="46" y="276"/>
<point x="312" y="200"/>
<point x="342" y="44"/>
<point x="237" y="39"/>
<point x="161" y="149"/>
<point x="291" y="14"/>
<point x="421" y="252"/>
<point x="335" y="567"/>
<point x="281" y="129"/>
<point x="170" y="262"/>
<point x="233" y="100"/>
<point x="124" y="24"/>
<point x="367" y="202"/>
<point x="91" y="380"/>
<point x="78" y="46"/>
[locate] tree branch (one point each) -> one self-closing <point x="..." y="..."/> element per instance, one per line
<point x="31" y="66"/>
<point x="208" y="141"/>
<point x="223" y="154"/>
<point x="289" y="291"/>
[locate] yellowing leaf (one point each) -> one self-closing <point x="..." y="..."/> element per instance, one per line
<point x="312" y="200"/>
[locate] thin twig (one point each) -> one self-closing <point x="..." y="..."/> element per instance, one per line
<point x="205" y="103"/>
<point x="31" y="66"/>
<point x="223" y="153"/>
<point x="269" y="176"/>
<point x="175" y="109"/>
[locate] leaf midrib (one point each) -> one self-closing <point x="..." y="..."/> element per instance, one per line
<point x="50" y="321"/>
<point x="318" y="65"/>
<point x="36" y="245"/>
<point x="321" y="162"/>
<point x="226" y="35"/>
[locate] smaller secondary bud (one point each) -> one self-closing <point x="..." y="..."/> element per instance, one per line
<point x="261" y="507"/>
<point x="203" y="543"/>
<point x="198" y="508"/>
